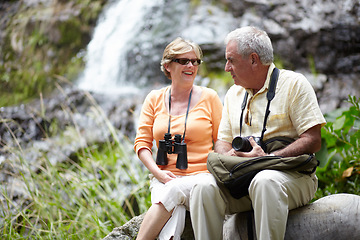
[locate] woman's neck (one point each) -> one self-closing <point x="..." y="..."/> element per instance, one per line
<point x="180" y="93"/>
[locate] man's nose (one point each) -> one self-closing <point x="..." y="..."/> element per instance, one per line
<point x="227" y="67"/>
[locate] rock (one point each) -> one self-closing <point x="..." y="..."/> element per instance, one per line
<point x="332" y="217"/>
<point x="130" y="229"/>
<point x="71" y="106"/>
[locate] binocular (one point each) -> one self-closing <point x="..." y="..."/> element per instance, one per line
<point x="170" y="146"/>
<point x="243" y="144"/>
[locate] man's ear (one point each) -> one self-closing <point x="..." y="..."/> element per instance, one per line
<point x="254" y="58"/>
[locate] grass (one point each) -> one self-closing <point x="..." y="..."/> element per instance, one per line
<point x="98" y="188"/>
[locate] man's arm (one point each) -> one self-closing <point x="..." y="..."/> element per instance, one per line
<point x="224" y="147"/>
<point x="308" y="142"/>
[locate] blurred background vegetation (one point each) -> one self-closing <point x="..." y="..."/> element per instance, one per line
<point x="39" y="44"/>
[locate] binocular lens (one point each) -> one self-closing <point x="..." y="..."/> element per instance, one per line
<point x="169" y="146"/>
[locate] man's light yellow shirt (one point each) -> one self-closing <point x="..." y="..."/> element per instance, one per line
<point x="294" y="109"/>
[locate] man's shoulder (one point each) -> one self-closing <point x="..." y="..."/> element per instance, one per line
<point x="291" y="78"/>
<point x="235" y="89"/>
<point x="291" y="75"/>
<point x="234" y="92"/>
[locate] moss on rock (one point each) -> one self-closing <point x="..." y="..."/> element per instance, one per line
<point x="42" y="41"/>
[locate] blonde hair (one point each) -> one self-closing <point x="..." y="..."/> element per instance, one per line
<point x="177" y="47"/>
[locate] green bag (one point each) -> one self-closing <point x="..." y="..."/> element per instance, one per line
<point x="236" y="173"/>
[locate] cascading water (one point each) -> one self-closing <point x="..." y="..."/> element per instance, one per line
<point x="106" y="62"/>
<point x="125" y="52"/>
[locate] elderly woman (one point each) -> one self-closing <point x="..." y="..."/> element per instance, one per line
<point x="193" y="114"/>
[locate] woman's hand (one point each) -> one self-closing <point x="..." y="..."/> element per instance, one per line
<point x="164" y="176"/>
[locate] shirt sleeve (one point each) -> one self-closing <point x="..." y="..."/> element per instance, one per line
<point x="225" y="130"/>
<point x="304" y="109"/>
<point x="144" y="134"/>
<point x="216" y="115"/>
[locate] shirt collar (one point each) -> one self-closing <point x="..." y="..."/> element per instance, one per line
<point x="267" y="81"/>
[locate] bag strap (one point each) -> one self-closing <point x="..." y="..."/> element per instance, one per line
<point x="270" y="96"/>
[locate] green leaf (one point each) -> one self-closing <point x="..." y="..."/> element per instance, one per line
<point x="339" y="123"/>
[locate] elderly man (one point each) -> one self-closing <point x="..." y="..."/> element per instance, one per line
<point x="294" y="113"/>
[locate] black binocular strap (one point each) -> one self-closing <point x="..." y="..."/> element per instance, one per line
<point x="243" y="105"/>
<point x="187" y="113"/>
<point x="270" y="96"/>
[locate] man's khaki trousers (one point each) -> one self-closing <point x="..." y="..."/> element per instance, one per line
<point x="272" y="194"/>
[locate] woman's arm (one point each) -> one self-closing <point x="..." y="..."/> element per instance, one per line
<point x="162" y="175"/>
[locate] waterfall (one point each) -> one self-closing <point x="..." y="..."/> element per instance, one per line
<point x="125" y="52"/>
<point x="106" y="63"/>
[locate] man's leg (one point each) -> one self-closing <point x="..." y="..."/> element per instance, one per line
<point x="273" y="194"/>
<point x="207" y="210"/>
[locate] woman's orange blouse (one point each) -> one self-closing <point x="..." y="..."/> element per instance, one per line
<point x="201" y="128"/>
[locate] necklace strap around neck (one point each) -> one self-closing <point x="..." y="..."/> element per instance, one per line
<point x="187" y="113"/>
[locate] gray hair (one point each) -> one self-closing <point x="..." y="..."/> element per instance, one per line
<point x="251" y="39"/>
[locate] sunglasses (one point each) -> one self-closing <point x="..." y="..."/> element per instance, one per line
<point x="185" y="61"/>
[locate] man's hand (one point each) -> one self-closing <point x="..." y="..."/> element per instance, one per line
<point x="257" y="151"/>
<point x="225" y="148"/>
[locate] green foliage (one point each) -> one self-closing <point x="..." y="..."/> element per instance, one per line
<point x="339" y="171"/>
<point x="195" y="3"/>
<point x="37" y="47"/>
<point x="279" y="63"/>
<point x="77" y="200"/>
<point x="312" y="65"/>
<point x="96" y="189"/>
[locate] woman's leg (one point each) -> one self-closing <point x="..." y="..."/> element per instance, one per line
<point x="174" y="228"/>
<point x="168" y="200"/>
<point x="154" y="220"/>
